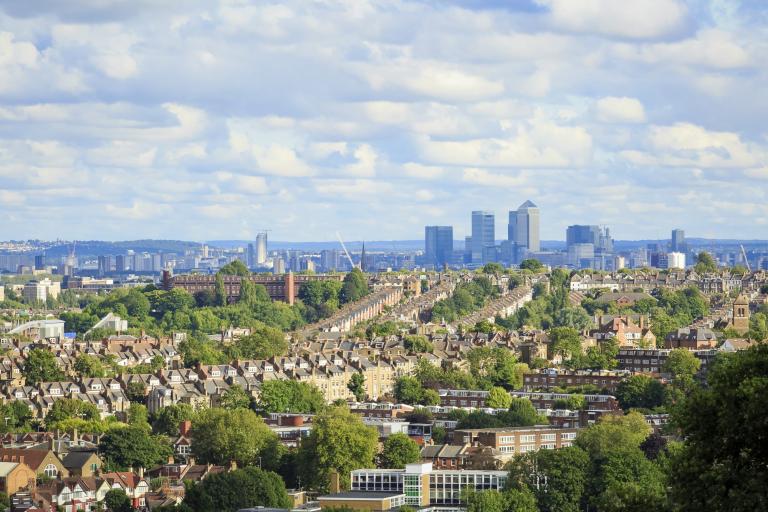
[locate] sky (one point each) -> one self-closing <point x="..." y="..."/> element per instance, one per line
<point x="214" y="119"/>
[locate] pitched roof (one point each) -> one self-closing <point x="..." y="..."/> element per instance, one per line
<point x="32" y="458"/>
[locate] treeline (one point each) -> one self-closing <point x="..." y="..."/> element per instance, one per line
<point x="159" y="312"/>
<point x="466" y="298"/>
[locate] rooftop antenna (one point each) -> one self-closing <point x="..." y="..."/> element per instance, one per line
<point x="352" y="263"/>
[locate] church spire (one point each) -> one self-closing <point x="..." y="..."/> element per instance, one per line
<point x="362" y="258"/>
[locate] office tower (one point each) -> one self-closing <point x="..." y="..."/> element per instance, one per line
<point x="250" y="258"/>
<point x="204" y="250"/>
<point x="483" y="234"/>
<point x="678" y="241"/>
<point x="581" y="255"/>
<point x="261" y="248"/>
<point x="40" y="262"/>
<point x="278" y="266"/>
<point x="438" y="245"/>
<point x="329" y="260"/>
<point x="580" y="234"/>
<point x="604" y="242"/>
<point x="157" y="262"/>
<point x="526" y="233"/>
<point x="676" y="260"/>
<point x="120" y="263"/>
<point x="105" y="265"/>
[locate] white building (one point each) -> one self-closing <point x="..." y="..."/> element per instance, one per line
<point x="676" y="260"/>
<point x="39" y="291"/>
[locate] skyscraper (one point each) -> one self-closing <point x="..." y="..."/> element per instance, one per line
<point x="483" y="234"/>
<point x="261" y="248"/>
<point x="438" y="245"/>
<point x="527" y="227"/>
<point x="678" y="241"/>
<point x="579" y="234"/>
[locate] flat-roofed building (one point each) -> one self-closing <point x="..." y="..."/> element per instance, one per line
<point x="425" y="486"/>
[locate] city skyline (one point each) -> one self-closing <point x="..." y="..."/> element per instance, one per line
<point x="166" y="122"/>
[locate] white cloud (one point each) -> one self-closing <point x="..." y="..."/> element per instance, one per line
<point x="536" y="143"/>
<point x="14" y="53"/>
<point x="365" y="164"/>
<point x="637" y="19"/>
<point x="424" y="172"/>
<point x="712" y="48"/>
<point x="122" y="153"/>
<point x="488" y="179"/>
<point x="620" y="110"/>
<point x="689" y="145"/>
<point x="433" y="80"/>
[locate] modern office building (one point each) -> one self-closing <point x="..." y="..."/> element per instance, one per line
<point x="581" y="234"/>
<point x="438" y="245"/>
<point x="261" y="248"/>
<point x="483" y="234"/>
<point x="677" y="243"/>
<point x="526" y="232"/>
<point x="425" y="486"/>
<point x="676" y="260"/>
<point x="330" y="260"/>
<point x="581" y="255"/>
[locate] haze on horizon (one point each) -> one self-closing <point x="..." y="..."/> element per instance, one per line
<point x="212" y="120"/>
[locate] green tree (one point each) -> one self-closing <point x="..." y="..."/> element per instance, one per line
<point x="220" y="436"/>
<point x="290" y="396"/>
<point x="399" y="450"/>
<point x="134" y="447"/>
<point x="168" y="419"/>
<point x="498" y="398"/>
<point x="88" y="366"/>
<point x="117" y="501"/>
<point x="557" y="478"/>
<point x="418" y="343"/>
<point x="640" y="391"/>
<point x="682" y="364"/>
<point x="522" y="413"/>
<point x="566" y="342"/>
<point x="234" y="268"/>
<point x="613" y="431"/>
<point x="493" y="268"/>
<point x="220" y="290"/>
<point x="16" y="414"/>
<point x="484" y="501"/>
<point x="493" y="366"/>
<point x="705" y="263"/>
<point x="408" y="390"/>
<point x="237" y="490"/>
<point x="357" y="386"/>
<point x="247" y="292"/>
<point x="339" y="442"/>
<point x="138" y="416"/>
<point x="67" y="408"/>
<point x="531" y="264"/>
<point x="354" y="287"/>
<point x="41" y="366"/>
<point x="626" y="480"/>
<point x="235" y="398"/>
<point x="723" y="463"/>
<point x="264" y="342"/>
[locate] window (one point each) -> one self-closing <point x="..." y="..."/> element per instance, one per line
<point x="548" y="437"/>
<point x="529" y="438"/>
<point x="51" y="471"/>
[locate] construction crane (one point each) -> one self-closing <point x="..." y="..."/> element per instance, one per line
<point x="351" y="263"/>
<point x="746" y="261"/>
